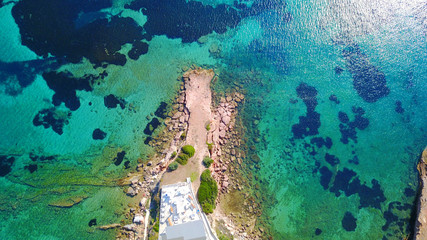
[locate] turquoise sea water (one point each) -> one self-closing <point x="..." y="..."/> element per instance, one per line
<point x="307" y="67"/>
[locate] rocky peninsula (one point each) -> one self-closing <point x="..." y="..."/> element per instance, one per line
<point x="195" y="118"/>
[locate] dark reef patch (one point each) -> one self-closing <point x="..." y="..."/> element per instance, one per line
<point x="318" y="231"/>
<point x="334" y="98"/>
<point x="65" y="87"/>
<point x="92" y="222"/>
<point x="119" y="158"/>
<point x="349" y="222"/>
<point x="15" y="76"/>
<point x="347" y="128"/>
<point x="51" y="117"/>
<point x="347" y="182"/>
<point x="309" y="124"/>
<point x="399" y="108"/>
<point x="138" y="48"/>
<point x="49" y="27"/>
<point x="187" y="20"/>
<point x="37" y="158"/>
<point x="320" y="142"/>
<point x="112" y="101"/>
<point x="338" y="70"/>
<point x="400" y="217"/>
<point x="369" y="82"/>
<point x="354" y="160"/>
<point x="325" y="177"/>
<point x="409" y="192"/>
<point x="98" y="134"/>
<point x="151" y="126"/>
<point x="32" y="168"/>
<point x="6" y="165"/>
<point x="331" y="159"/>
<point x="162" y="111"/>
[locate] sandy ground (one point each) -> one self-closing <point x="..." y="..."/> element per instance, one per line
<point x="198" y="102"/>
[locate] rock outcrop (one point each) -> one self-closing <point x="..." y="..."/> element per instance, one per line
<point x="421" y="223"/>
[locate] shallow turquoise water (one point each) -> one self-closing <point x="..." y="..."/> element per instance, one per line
<point x="272" y="51"/>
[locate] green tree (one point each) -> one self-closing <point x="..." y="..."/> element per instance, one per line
<point x="173" y="166"/>
<point x="207" y="161"/>
<point x="189" y="150"/>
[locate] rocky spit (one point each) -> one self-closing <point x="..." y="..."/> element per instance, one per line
<point x="421" y="222"/>
<point x="225" y="141"/>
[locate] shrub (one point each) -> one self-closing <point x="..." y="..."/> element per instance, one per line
<point x="208" y="126"/>
<point x="208" y="192"/>
<point x="183" y="136"/>
<point x="182" y="158"/>
<point x="189" y="150"/>
<point x="173" y="155"/>
<point x="173" y="166"/>
<point x="207" y="161"/>
<point x="156" y="227"/>
<point x="210" y="147"/>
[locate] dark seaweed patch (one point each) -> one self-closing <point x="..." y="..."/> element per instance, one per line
<point x="187" y="20"/>
<point x="409" y="192"/>
<point x="309" y="124"/>
<point x="347" y="181"/>
<point x="338" y="70"/>
<point x="161" y="111"/>
<point x="318" y="231"/>
<point x="112" y="101"/>
<point x="15" y="76"/>
<point x="331" y="159"/>
<point x="151" y="126"/>
<point x="49" y="27"/>
<point x="65" y="87"/>
<point x="6" y="165"/>
<point x="92" y="222"/>
<point x="343" y="117"/>
<point x="354" y="160"/>
<point x="32" y="168"/>
<point x="36" y="158"/>
<point x="399" y="108"/>
<point x="398" y="216"/>
<point x="138" y="48"/>
<point x="334" y="98"/>
<point x="342" y="181"/>
<point x="349" y="222"/>
<point x="98" y="134"/>
<point x="320" y="142"/>
<point x="325" y="177"/>
<point x="119" y="158"/>
<point x="51" y="117"/>
<point x="369" y="82"/>
<point x="347" y="128"/>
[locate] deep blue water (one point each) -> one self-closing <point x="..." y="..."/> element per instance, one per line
<point x="338" y="91"/>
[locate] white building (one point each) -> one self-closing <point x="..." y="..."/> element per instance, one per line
<point x="180" y="214"/>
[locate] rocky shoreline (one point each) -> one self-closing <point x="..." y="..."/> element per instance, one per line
<point x="420" y="232"/>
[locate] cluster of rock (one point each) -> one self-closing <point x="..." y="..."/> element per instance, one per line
<point x="221" y="132"/>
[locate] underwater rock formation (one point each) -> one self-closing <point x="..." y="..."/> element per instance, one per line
<point x="51" y="117"/>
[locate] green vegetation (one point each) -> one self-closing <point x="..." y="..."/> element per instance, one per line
<point x="208" y="126"/>
<point x="208" y="192"/>
<point x="207" y="161"/>
<point x="173" y="155"/>
<point x="182" y="158"/>
<point x="222" y="236"/>
<point x="210" y="147"/>
<point x="183" y="136"/>
<point x="189" y="150"/>
<point x="173" y="166"/>
<point x="156" y="227"/>
<point x="193" y="176"/>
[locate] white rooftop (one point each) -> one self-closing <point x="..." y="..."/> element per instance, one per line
<point x="178" y="206"/>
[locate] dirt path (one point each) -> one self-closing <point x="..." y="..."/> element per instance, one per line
<point x="198" y="102"/>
